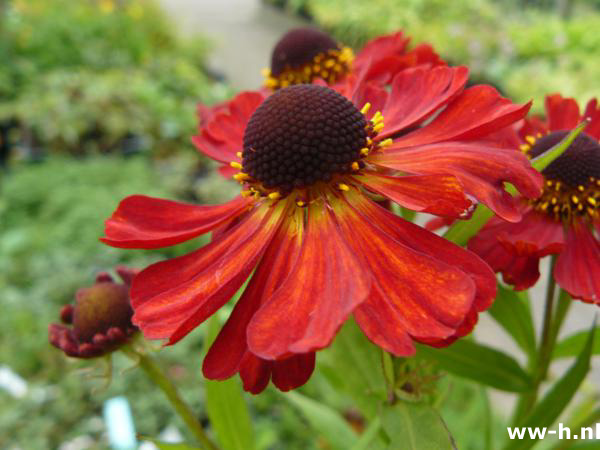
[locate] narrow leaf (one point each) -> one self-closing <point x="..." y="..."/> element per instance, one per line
<point x="513" y="313"/>
<point x="326" y="421"/>
<point x="558" y="397"/>
<point x="572" y="345"/>
<point x="168" y="445"/>
<point x="481" y="363"/>
<point x="415" y="426"/>
<point x="542" y="161"/>
<point x="227" y="409"/>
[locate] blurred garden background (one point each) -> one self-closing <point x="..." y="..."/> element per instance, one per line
<point x="98" y="101"/>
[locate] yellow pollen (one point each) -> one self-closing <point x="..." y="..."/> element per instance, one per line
<point x="241" y="176"/>
<point x="364" y="151"/>
<point x="386" y="142"/>
<point x="377" y="128"/>
<point x="580" y="188"/>
<point x="355" y="166"/>
<point x="574" y="199"/>
<point x="539" y="135"/>
<point x="365" y="109"/>
<point x="274" y="195"/>
<point x="554" y="200"/>
<point x="343" y="187"/>
<point x="246" y="193"/>
<point x="530" y="139"/>
<point x="377" y="117"/>
<point x="300" y="203"/>
<point x="592" y="201"/>
<point x="524" y="147"/>
<point x="238" y="154"/>
<point x="235" y="165"/>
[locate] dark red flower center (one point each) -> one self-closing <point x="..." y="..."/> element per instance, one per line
<point x="572" y="186"/>
<point x="304" y="54"/>
<point x="576" y="165"/>
<point x="301" y="135"/>
<point x="100" y="307"/>
<point x="298" y="47"/>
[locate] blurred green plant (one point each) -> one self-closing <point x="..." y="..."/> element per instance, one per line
<point x="527" y="49"/>
<point x="99" y="76"/>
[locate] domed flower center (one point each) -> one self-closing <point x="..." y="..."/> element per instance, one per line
<point x="99" y="308"/>
<point x="301" y="135"/>
<point x="304" y="54"/>
<point x="572" y="186"/>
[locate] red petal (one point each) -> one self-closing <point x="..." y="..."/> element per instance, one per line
<point x="516" y="248"/>
<point x="577" y="268"/>
<point x="326" y="284"/>
<point x="172" y="297"/>
<point x="592" y="112"/>
<point x="563" y="113"/>
<point x="418" y="93"/>
<point x="476" y="112"/>
<point x="481" y="170"/>
<point x="147" y="222"/>
<point x="381" y="47"/>
<point x="430" y="298"/>
<point x="382" y="324"/>
<point x="434" y="194"/>
<point x="224" y="356"/>
<point x="255" y="373"/>
<point x="293" y="372"/>
<point x="222" y="136"/>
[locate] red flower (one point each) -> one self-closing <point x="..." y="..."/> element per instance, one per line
<point x="100" y="319"/>
<point x="562" y="220"/>
<point x="311" y="161"/>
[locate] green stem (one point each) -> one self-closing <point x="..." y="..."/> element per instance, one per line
<point x="564" y="303"/>
<point x="550" y="329"/>
<point x="158" y="377"/>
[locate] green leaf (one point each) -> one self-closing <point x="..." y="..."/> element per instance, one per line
<point x="325" y="420"/>
<point x="542" y="161"/>
<point x="168" y="445"/>
<point x="415" y="426"/>
<point x="573" y="344"/>
<point x="482" y="364"/>
<point x="226" y="407"/>
<point x="463" y="230"/>
<point x="353" y="366"/>
<point x="368" y="438"/>
<point x="512" y="311"/>
<point x="558" y="397"/>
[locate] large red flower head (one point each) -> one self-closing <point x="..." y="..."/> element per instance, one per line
<point x="562" y="220"/>
<point x="100" y="320"/>
<point x="312" y="162"/>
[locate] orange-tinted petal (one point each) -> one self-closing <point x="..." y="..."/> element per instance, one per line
<point x="430" y="244"/>
<point x="577" y="268"/>
<point x="434" y="194"/>
<point x="147" y="222"/>
<point x="171" y="298"/>
<point x="481" y="170"/>
<point x="563" y="113"/>
<point x="416" y="94"/>
<point x="326" y="284"/>
<point x="430" y="298"/>
<point x="473" y="114"/>
<point x="228" y="349"/>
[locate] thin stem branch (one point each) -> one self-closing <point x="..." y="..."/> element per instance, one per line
<point x="158" y="377"/>
<point x="550" y="329"/>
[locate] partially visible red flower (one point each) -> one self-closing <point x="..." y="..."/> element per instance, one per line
<point x="562" y="220"/>
<point x="310" y="236"/>
<point x="303" y="55"/>
<point x="100" y="320"/>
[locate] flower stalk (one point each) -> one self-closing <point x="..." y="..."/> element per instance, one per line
<point x="158" y="377"/>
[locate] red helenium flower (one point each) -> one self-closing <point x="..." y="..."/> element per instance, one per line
<point x="311" y="160"/>
<point x="562" y="220"/>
